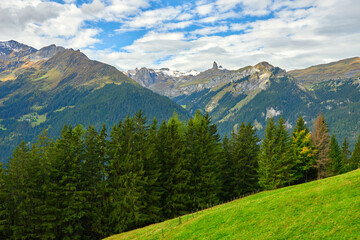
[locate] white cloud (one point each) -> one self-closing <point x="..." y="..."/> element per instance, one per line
<point x="298" y="34"/>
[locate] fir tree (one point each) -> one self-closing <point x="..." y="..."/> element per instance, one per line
<point x="304" y="152"/>
<point x="126" y="177"/>
<point x="175" y="169"/>
<point x="267" y="176"/>
<point x="355" y="157"/>
<point x="335" y="157"/>
<point x="226" y="192"/>
<point x="346" y="154"/>
<point x="244" y="158"/>
<point x="203" y="153"/>
<point x="283" y="156"/>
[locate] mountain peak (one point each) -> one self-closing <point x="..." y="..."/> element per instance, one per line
<point x="262" y="65"/>
<point x="9" y="49"/>
<point x="45" y="52"/>
<point x="215" y="66"/>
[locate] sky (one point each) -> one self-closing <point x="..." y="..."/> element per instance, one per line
<point x="186" y="35"/>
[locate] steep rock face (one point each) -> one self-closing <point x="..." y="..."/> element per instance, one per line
<point x="45" y="53"/>
<point x="173" y="86"/>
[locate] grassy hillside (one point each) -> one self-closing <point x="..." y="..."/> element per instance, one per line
<point x="322" y="209"/>
<point x="345" y="68"/>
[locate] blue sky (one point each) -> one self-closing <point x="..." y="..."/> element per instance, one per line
<point x="186" y="35"/>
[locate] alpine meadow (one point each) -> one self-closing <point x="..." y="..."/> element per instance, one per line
<point x="205" y="119"/>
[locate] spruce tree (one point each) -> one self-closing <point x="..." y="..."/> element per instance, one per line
<point x="267" y="176"/>
<point x="321" y="139"/>
<point x="126" y="177"/>
<point x="203" y="153"/>
<point x="175" y="168"/>
<point x="355" y="157"/>
<point x="226" y="179"/>
<point x="304" y="152"/>
<point x="244" y="158"/>
<point x="283" y="156"/>
<point x="335" y="157"/>
<point x="346" y="154"/>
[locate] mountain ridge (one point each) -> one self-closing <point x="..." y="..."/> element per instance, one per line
<point x="53" y="86"/>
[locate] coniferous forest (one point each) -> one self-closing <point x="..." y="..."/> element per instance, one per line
<point x="89" y="184"/>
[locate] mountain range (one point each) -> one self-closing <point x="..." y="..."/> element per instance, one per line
<point x="53" y="86"/>
<point x="256" y="93"/>
<point x="46" y="88"/>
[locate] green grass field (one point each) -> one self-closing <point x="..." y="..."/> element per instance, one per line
<point x="324" y="209"/>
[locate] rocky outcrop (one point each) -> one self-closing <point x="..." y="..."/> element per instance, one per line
<point x="45" y="53"/>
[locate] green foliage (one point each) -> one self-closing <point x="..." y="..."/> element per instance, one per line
<point x="203" y="154"/>
<point x="87" y="184"/>
<point x="346" y="154"/>
<point x="304" y="153"/>
<point x="336" y="164"/>
<point x="243" y="154"/>
<point x="276" y="161"/>
<point x="355" y="157"/>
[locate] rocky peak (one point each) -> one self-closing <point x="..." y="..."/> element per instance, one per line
<point x="45" y="53"/>
<point x="215" y="66"/>
<point x="11" y="49"/>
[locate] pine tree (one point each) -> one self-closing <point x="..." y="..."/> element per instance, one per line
<point x="175" y="170"/>
<point x="93" y="171"/>
<point x="126" y="176"/>
<point x="336" y="163"/>
<point x="321" y="139"/>
<point x="226" y="192"/>
<point x="67" y="196"/>
<point x="267" y="176"/>
<point x="304" y="152"/>
<point x="203" y="153"/>
<point x="276" y="159"/>
<point x="244" y="158"/>
<point x="355" y="157"/>
<point x="152" y="168"/>
<point x="345" y="153"/>
<point x="283" y="156"/>
<point x="17" y="204"/>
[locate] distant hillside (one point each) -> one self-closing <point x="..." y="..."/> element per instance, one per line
<point x="46" y="88"/>
<point x="324" y="209"/>
<point x="343" y="69"/>
<point x="255" y="93"/>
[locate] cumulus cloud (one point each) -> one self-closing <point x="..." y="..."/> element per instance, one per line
<point x="191" y="35"/>
<point x="297" y="35"/>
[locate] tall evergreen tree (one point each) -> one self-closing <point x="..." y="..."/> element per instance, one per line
<point x="355" y="157"/>
<point x="345" y="154"/>
<point x="336" y="163"/>
<point x="126" y="177"/>
<point x="321" y="139"/>
<point x="175" y="168"/>
<point x="276" y="158"/>
<point x="244" y="158"/>
<point x="68" y="198"/>
<point x="283" y="156"/>
<point x="304" y="152"/>
<point x="203" y="153"/>
<point x="226" y="170"/>
<point x="267" y="176"/>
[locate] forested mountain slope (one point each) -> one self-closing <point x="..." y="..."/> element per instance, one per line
<point x="46" y="88"/>
<point x="255" y="93"/>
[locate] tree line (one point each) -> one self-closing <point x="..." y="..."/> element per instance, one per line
<point x="88" y="184"/>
